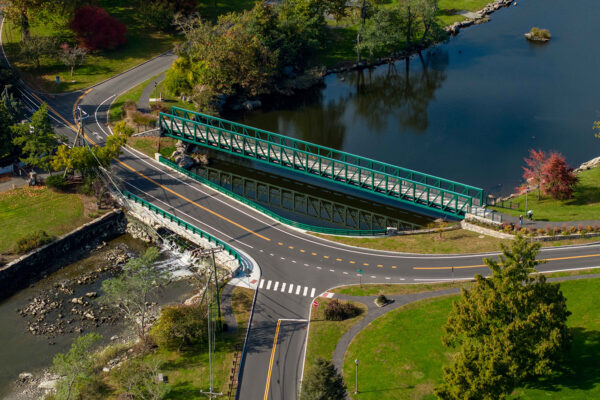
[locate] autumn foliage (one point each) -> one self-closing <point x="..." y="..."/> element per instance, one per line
<point x="550" y="174"/>
<point x="97" y="29"/>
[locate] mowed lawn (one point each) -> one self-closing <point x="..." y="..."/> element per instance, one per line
<point x="27" y="210"/>
<point x="401" y="355"/>
<point x="584" y="206"/>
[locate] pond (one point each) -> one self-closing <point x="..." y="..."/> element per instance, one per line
<point x="467" y="110"/>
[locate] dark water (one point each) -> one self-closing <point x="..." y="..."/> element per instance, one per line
<point x="470" y="109"/>
<point x="309" y="202"/>
<point x="20" y="351"/>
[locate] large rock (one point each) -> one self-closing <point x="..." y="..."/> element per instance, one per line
<point x="593" y="163"/>
<point x="185" y="162"/>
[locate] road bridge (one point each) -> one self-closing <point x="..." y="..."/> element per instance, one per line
<point x="407" y="186"/>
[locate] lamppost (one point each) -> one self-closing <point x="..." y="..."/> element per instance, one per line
<point x="526" y="194"/>
<point x="356" y="387"/>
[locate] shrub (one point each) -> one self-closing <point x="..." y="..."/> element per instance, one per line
<point x="338" y="311"/>
<point x="581" y="228"/>
<point x="32" y="241"/>
<point x="179" y="326"/>
<point x="572" y="229"/>
<point x="540" y="33"/>
<point x="532" y="231"/>
<point x="541" y="231"/>
<point x="596" y="228"/>
<point x="122" y="128"/>
<point x="556" y="230"/>
<point x="381" y="300"/>
<point x="97" y="29"/>
<point x="589" y="229"/>
<point x="549" y="230"/>
<point x="57" y="182"/>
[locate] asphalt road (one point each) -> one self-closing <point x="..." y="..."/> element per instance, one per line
<point x="296" y="266"/>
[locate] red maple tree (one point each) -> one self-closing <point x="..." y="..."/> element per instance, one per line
<point x="533" y="172"/>
<point x="558" y="178"/>
<point x="97" y="29"/>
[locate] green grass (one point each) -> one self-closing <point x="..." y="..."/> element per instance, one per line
<point x="188" y="370"/>
<point x="27" y="210"/>
<point x="324" y="335"/>
<point x="116" y="112"/>
<point x="401" y="354"/>
<point x="147" y="145"/>
<point x="452" y="242"/>
<point x="585" y="204"/>
<point x="142" y="44"/>
<point x="394" y="289"/>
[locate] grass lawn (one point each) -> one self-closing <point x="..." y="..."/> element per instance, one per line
<point x="142" y="44"/>
<point x="585" y="205"/>
<point x="324" y="335"/>
<point x="116" y="112"/>
<point x="147" y="145"/>
<point x="27" y="210"/>
<point x="401" y="354"/>
<point x="188" y="370"/>
<point x="452" y="242"/>
<point x="393" y="289"/>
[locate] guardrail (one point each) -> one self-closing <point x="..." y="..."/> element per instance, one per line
<point x="481" y="212"/>
<point x="306" y="227"/>
<point x="230" y="250"/>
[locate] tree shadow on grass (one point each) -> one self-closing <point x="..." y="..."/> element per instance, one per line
<point x="580" y="369"/>
<point x="586" y="194"/>
<point x="183" y="391"/>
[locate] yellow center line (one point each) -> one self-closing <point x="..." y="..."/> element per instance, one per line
<point x="393" y="266"/>
<point x="325" y="256"/>
<point x="291" y="247"/>
<point x="281" y="244"/>
<point x="366" y="264"/>
<point x="314" y="254"/>
<point x="484" y="265"/>
<point x="194" y="203"/>
<point x="352" y="262"/>
<point x="338" y="259"/>
<point x="271" y="362"/>
<point x="380" y="266"/>
<point x="302" y="251"/>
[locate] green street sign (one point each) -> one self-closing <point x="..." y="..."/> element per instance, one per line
<point x="360" y="271"/>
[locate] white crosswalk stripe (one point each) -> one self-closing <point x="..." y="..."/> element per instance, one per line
<point x="284" y="287"/>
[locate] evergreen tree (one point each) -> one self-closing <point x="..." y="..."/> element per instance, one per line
<point x="37" y="139"/>
<point x="509" y="327"/>
<point x="323" y="382"/>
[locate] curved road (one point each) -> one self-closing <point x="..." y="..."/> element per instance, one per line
<point x="296" y="267"/>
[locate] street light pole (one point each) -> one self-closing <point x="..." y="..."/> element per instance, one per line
<point x="356" y="387"/>
<point x="526" y="194"/>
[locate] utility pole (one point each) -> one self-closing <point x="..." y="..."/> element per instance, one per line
<point x="211" y="252"/>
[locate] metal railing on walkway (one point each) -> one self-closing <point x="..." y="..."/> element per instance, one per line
<point x="283" y="220"/>
<point x="408" y="186"/>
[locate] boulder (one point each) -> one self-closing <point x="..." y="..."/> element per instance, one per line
<point x="251" y="104"/>
<point x="25" y="376"/>
<point x="91" y="295"/>
<point x="185" y="162"/>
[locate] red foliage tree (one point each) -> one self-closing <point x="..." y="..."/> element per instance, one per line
<point x="97" y="29"/>
<point x="532" y="173"/>
<point x="558" y="178"/>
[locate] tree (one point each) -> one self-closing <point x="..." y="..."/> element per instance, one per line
<point x="509" y="327"/>
<point x="596" y="126"/>
<point x="408" y="9"/>
<point x="533" y="172"/>
<point x="381" y="34"/>
<point x="139" y="378"/>
<point x="427" y="11"/>
<point x="97" y="29"/>
<point x="75" y="366"/>
<point x="180" y="326"/>
<point x="72" y="56"/>
<point x="131" y="291"/>
<point x="35" y="47"/>
<point x="37" y="139"/>
<point x="337" y="8"/>
<point x="323" y="382"/>
<point x="558" y="178"/>
<point x="7" y="120"/>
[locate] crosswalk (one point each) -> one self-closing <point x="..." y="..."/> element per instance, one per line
<point x="288" y="288"/>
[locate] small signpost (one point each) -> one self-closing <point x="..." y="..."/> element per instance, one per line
<point x="315" y="303"/>
<point x="360" y="274"/>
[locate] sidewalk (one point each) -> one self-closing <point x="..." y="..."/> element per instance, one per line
<point x="17" y="181"/>
<point x="143" y="102"/>
<point x="542" y="224"/>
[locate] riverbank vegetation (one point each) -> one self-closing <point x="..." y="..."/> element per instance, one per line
<point x="539" y="35"/>
<point x="584" y="204"/>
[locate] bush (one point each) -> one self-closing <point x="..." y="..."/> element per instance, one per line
<point x="381" y="300"/>
<point x="121" y="128"/>
<point x="32" y="241"/>
<point x="338" y="311"/>
<point x="57" y="182"/>
<point x="556" y="230"/>
<point x="179" y="326"/>
<point x="97" y="29"/>
<point x="540" y="33"/>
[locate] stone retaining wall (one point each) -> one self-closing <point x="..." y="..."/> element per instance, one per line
<point x="68" y="248"/>
<point x="485" y="231"/>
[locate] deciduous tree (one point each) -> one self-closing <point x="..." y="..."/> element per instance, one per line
<point x="533" y="172"/>
<point x="323" y="382"/>
<point x="72" y="56"/>
<point x="558" y="178"/>
<point x="75" y="365"/>
<point x="508" y="328"/>
<point x="131" y="292"/>
<point x="35" y="47"/>
<point x="36" y="139"/>
<point x="97" y="29"/>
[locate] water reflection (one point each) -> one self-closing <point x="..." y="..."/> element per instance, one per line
<point x="306" y="203"/>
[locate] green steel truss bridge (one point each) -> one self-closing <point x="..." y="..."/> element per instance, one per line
<point x="407" y="186"/>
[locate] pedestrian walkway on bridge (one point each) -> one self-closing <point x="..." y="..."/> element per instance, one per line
<point x="407" y="186"/>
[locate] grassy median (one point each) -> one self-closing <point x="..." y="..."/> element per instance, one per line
<point x="401" y="354"/>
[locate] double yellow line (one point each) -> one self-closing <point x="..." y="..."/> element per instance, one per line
<point x="484" y="265"/>
<point x="271" y="361"/>
<point x="76" y="128"/>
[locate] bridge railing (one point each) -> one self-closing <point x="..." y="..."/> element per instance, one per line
<point x="211" y="239"/>
<point x="327" y="152"/>
<point x="299" y="225"/>
<point x="419" y="194"/>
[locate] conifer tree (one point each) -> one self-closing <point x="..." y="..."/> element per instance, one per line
<point x="323" y="382"/>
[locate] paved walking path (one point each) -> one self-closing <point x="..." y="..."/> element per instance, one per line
<point x="143" y="102"/>
<point x="375" y="312"/>
<point x="542" y="224"/>
<point x="227" y="308"/>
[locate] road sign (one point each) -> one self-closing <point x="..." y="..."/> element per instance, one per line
<point x="315" y="304"/>
<point x="360" y="271"/>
